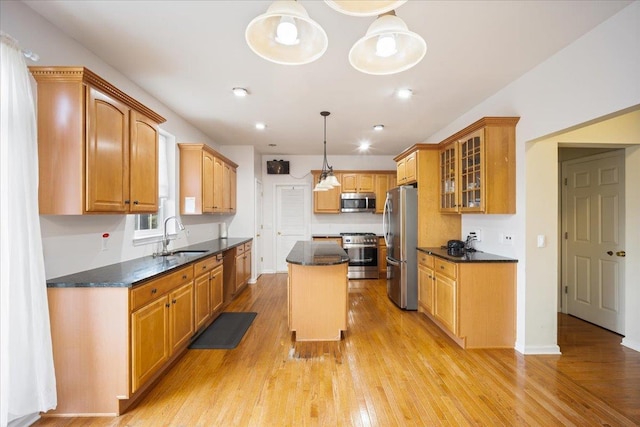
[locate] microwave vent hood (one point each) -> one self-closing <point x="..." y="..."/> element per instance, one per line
<point x="357" y="202"/>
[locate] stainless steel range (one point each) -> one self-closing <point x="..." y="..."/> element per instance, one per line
<point x="362" y="249"/>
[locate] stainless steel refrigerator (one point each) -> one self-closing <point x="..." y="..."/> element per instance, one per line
<point x="400" y="228"/>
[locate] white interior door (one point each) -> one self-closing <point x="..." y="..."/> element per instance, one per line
<point x="257" y="247"/>
<point x="594" y="239"/>
<point x="293" y="216"/>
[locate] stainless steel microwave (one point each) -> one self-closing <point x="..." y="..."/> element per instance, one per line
<point x="358" y="202"/>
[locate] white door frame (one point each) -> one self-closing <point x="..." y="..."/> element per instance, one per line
<point x="258" y="232"/>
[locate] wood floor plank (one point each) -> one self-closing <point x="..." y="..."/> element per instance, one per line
<point x="392" y="367"/>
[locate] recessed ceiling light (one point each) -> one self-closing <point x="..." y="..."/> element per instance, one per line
<point x="364" y="146"/>
<point x="378" y="127"/>
<point x="261" y="126"/>
<point x="404" y="93"/>
<point x="240" y="92"/>
<point x="272" y="145"/>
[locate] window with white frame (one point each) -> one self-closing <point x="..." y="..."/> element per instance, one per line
<point x="149" y="226"/>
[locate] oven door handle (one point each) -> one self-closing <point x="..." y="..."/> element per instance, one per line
<point x="393" y="262"/>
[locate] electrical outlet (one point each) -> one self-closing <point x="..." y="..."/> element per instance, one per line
<point x="506" y="239"/>
<point x="105" y="241"/>
<point x="478" y="232"/>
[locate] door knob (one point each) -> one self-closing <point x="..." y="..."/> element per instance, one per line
<point x="610" y="253"/>
<point x="621" y="253"/>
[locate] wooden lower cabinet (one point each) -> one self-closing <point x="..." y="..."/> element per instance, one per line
<point x="149" y="341"/>
<point x="181" y="317"/>
<point x="426" y="278"/>
<point x="243" y="266"/>
<point x="445" y="307"/>
<point x="382" y="257"/>
<point x="216" y="289"/>
<point x="202" y="297"/>
<point x="473" y="302"/>
<point x="207" y="289"/>
<point x="162" y="327"/>
<point x="131" y="334"/>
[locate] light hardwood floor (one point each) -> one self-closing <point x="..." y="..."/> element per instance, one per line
<point x="391" y="368"/>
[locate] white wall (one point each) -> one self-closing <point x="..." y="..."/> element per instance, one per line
<point x="595" y="76"/>
<point x="299" y="168"/>
<point x="73" y="243"/>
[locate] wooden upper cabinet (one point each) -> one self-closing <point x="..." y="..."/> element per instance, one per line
<point x="207" y="181"/>
<point x="97" y="147"/>
<point x="407" y="169"/>
<point x="107" y="154"/>
<point x="478" y="168"/>
<point x="358" y="183"/>
<point x="143" y="163"/>
<point x="327" y="201"/>
<point x="208" y="172"/>
<point x="383" y="183"/>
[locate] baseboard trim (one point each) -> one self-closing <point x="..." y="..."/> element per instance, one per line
<point x="539" y="349"/>
<point x="633" y="345"/>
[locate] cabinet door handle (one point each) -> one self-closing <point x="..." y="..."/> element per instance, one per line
<point x="174" y="301"/>
<point x="204" y="267"/>
<point x="135" y="202"/>
<point x="126" y="202"/>
<point x="167" y="305"/>
<point x="184" y="276"/>
<point x="154" y="291"/>
<point x="442" y="267"/>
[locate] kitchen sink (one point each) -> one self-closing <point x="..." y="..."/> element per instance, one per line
<point x="183" y="254"/>
<point x="186" y="253"/>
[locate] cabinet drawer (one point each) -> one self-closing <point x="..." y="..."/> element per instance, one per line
<point x="446" y="268"/>
<point x="425" y="260"/>
<point x="239" y="249"/>
<point x="143" y="294"/>
<point x="207" y="264"/>
<point x="247" y="246"/>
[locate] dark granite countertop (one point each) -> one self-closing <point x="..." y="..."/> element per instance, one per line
<point x="306" y="252"/>
<point x="127" y="274"/>
<point x="476" y="256"/>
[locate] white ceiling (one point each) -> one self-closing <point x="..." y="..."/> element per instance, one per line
<point x="190" y="54"/>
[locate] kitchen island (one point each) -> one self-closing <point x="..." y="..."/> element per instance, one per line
<point x="317" y="291"/>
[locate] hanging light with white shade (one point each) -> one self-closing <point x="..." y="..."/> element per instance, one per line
<point x="388" y="47"/>
<point x="364" y="7"/>
<point x="327" y="179"/>
<point x="286" y="35"/>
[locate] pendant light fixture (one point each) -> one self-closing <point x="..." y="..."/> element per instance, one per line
<point x="388" y="47"/>
<point x="327" y="179"/>
<point x="285" y="34"/>
<point x="364" y="7"/>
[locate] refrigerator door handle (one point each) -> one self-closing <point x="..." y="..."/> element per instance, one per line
<point x="393" y="262"/>
<point x="386" y="220"/>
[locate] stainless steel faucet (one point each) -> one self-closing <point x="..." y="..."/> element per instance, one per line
<point x="165" y="238"/>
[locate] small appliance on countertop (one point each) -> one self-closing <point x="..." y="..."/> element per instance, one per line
<point x="457" y="248"/>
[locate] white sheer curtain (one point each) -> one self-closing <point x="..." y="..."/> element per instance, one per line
<point x="27" y="380"/>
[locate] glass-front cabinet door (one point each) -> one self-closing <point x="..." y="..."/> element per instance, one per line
<point x="471" y="173"/>
<point x="448" y="178"/>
